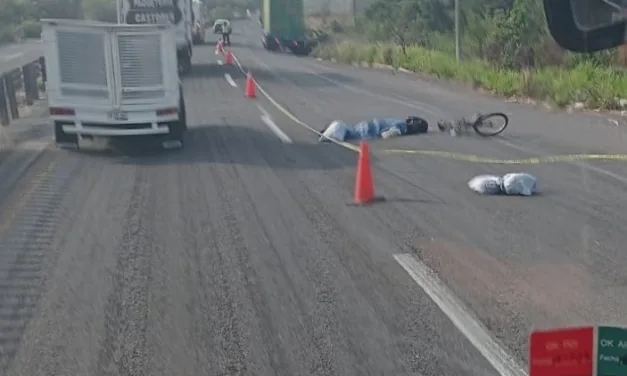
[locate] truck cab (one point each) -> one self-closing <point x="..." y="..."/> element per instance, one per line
<point x="112" y="80"/>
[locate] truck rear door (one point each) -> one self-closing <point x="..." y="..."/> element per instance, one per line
<point x="84" y="64"/>
<point x="141" y="65"/>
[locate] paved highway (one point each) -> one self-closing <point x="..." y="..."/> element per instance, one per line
<point x="13" y="56"/>
<point x="240" y="256"/>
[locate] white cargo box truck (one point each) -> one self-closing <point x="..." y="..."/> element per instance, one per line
<point x="177" y="13"/>
<point x="110" y="80"/>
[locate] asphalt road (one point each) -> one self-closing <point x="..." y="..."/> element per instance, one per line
<point x="239" y="255"/>
<point x="15" y="55"/>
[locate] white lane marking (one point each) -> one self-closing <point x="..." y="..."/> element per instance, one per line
<point x="229" y="79"/>
<point x="220" y="62"/>
<point x="12" y="56"/>
<point x="433" y="110"/>
<point x="460" y="316"/>
<point x="267" y="119"/>
<point x="33" y="145"/>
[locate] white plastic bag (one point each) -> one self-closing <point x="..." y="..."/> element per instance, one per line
<point x="519" y="183"/>
<point x="392" y="132"/>
<point x="336" y="130"/>
<point x="486" y="184"/>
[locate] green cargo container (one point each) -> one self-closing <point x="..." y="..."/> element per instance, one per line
<point x="284" y="25"/>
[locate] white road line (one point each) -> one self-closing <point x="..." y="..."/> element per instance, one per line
<point x="229" y="79"/>
<point x="435" y="111"/>
<point x="267" y="119"/>
<point x="11" y="56"/>
<point x="461" y="317"/>
<point x="220" y="62"/>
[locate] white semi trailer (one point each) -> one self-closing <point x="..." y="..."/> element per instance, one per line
<point x="177" y="13"/>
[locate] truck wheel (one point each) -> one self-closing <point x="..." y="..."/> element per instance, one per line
<point x="182" y="111"/>
<point x="64" y="140"/>
<point x="269" y="43"/>
<point x="174" y="139"/>
<point x="185" y="62"/>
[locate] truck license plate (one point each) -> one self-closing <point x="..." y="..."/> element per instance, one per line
<point x="118" y="115"/>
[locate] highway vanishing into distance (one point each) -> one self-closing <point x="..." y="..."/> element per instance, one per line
<point x="240" y="254"/>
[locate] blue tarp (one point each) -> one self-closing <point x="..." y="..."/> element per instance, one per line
<point x="364" y="130"/>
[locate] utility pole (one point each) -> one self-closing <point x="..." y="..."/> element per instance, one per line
<point x="457" y="39"/>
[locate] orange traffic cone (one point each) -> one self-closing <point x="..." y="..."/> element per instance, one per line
<point x="251" y="88"/>
<point x="229" y="57"/>
<point x="364" y="186"/>
<point x="219" y="48"/>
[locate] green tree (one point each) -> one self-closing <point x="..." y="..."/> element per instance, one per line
<point x="397" y="20"/>
<point x="100" y="10"/>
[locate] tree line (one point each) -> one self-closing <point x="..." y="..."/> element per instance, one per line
<point x="508" y="33"/>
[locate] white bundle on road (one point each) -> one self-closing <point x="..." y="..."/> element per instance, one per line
<point x="513" y="184"/>
<point x="336" y="130"/>
<point x="520" y="183"/>
<point x="486" y="184"/>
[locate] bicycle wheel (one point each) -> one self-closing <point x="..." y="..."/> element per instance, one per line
<point x="491" y="124"/>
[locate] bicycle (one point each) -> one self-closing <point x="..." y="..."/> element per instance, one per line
<point x="484" y="125"/>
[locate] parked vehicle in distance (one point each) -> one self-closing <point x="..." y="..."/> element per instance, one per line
<point x="112" y="80"/>
<point x="284" y="26"/>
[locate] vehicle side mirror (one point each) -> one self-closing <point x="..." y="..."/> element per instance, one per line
<point x="587" y="25"/>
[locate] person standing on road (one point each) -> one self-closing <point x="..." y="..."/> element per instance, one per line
<point x="226" y="33"/>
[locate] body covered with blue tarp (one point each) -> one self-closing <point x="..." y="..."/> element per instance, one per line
<point x="365" y="130"/>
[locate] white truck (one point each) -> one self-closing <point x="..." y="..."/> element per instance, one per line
<point x="173" y="12"/>
<point x="198" y="34"/>
<point x="112" y="80"/>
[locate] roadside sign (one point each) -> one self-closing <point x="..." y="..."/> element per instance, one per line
<point x="611" y="351"/>
<point x="562" y="352"/>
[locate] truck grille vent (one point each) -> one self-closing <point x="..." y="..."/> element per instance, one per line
<point x="141" y="67"/>
<point x="75" y="69"/>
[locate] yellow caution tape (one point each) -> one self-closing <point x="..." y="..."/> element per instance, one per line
<point x="535" y="160"/>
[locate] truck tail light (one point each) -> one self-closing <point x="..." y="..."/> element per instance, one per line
<point x="62" y="111"/>
<point x="167" y="111"/>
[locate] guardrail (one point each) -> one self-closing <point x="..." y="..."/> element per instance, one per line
<point x="20" y="84"/>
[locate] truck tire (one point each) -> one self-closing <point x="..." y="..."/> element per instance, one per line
<point x="269" y="43"/>
<point x="182" y="110"/>
<point x="301" y="51"/>
<point x="177" y="128"/>
<point x="198" y="39"/>
<point x="185" y="61"/>
<point x="62" y="139"/>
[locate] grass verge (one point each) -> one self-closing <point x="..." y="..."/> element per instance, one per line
<point x="595" y="87"/>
